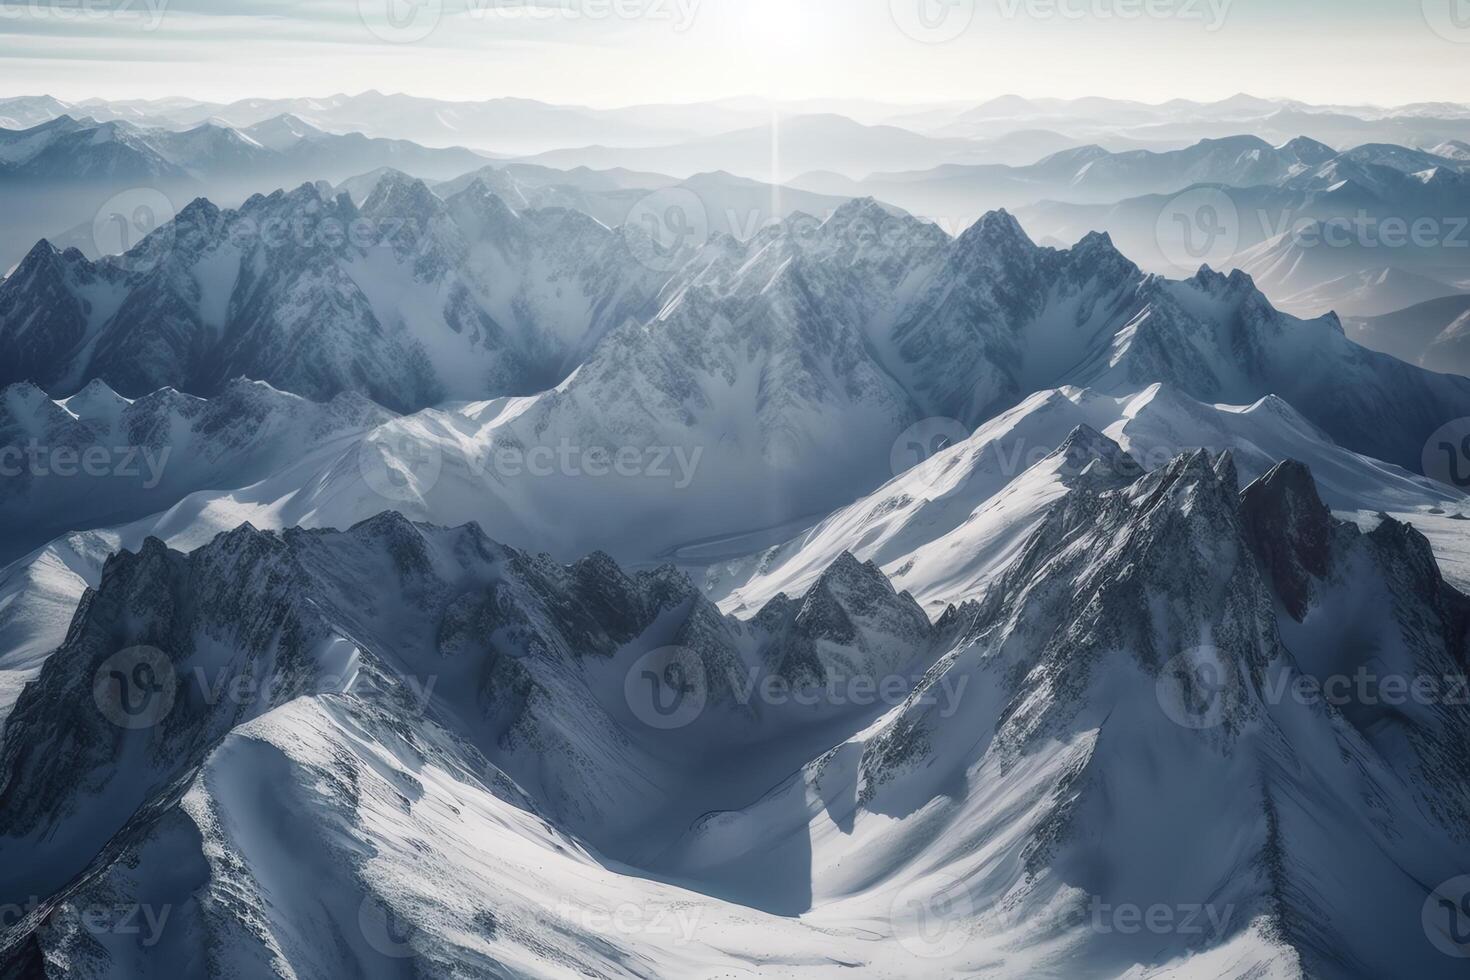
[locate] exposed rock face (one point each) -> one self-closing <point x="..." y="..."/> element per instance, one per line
<point x="99" y="457"/>
<point x="408" y="299"/>
<point x="1291" y="530"/>
<point x="412" y="300"/>
<point x="1131" y="682"/>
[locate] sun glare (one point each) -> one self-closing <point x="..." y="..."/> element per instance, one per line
<point x="774" y="23"/>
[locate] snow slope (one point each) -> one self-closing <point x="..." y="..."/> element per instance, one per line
<point x="947" y="528"/>
<point x="97" y="458"/>
<point x="440" y="767"/>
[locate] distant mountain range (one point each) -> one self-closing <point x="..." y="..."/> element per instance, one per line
<point x="60" y="174"/>
<point x="1091" y="175"/>
<point x="951" y="164"/>
<point x="782" y="148"/>
<point x="1434" y="334"/>
<point x="1183" y="121"/>
<point x="524" y="126"/>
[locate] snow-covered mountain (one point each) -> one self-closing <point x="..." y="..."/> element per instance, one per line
<point x="1387" y="178"/>
<point x="1433" y="334"/>
<point x="60" y="174"/>
<point x="1377" y="210"/>
<point x="1317" y="241"/>
<point x="952" y="524"/>
<point x="24" y="112"/>
<point x="763" y="355"/>
<point x="1453" y="150"/>
<point x="69" y="149"/>
<point x="409" y="299"/>
<point x="1309" y="276"/>
<point x="1183" y="121"/>
<point x="846" y="594"/>
<point x="448" y="760"/>
<point x="715" y="203"/>
<point x="99" y="458"/>
<point x="511" y="125"/>
<point x="806" y="143"/>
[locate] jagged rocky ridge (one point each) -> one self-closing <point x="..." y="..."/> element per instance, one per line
<point x="867" y="315"/>
<point x="408" y="299"/>
<point x="1052" y="748"/>
<point x="97" y="457"/>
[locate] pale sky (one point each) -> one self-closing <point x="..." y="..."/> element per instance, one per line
<point x="621" y="52"/>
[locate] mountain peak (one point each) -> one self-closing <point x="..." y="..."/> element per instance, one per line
<point x="482" y="198"/>
<point x="41" y="254"/>
<point x="1076" y="155"/>
<point x="857" y="208"/>
<point x="96" y="401"/>
<point x="396" y="193"/>
<point x="851" y="617"/>
<point x="1097" y="251"/>
<point x="1290" y="530"/>
<point x="1088" y="452"/>
<point x="1208" y="280"/>
<point x="997" y="228"/>
<point x="1190" y="476"/>
<point x="1309" y="151"/>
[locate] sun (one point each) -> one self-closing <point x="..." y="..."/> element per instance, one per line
<point x="774" y="23"/>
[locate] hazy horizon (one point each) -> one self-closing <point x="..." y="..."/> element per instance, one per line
<point x="608" y="53"/>
<point x="979" y="99"/>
